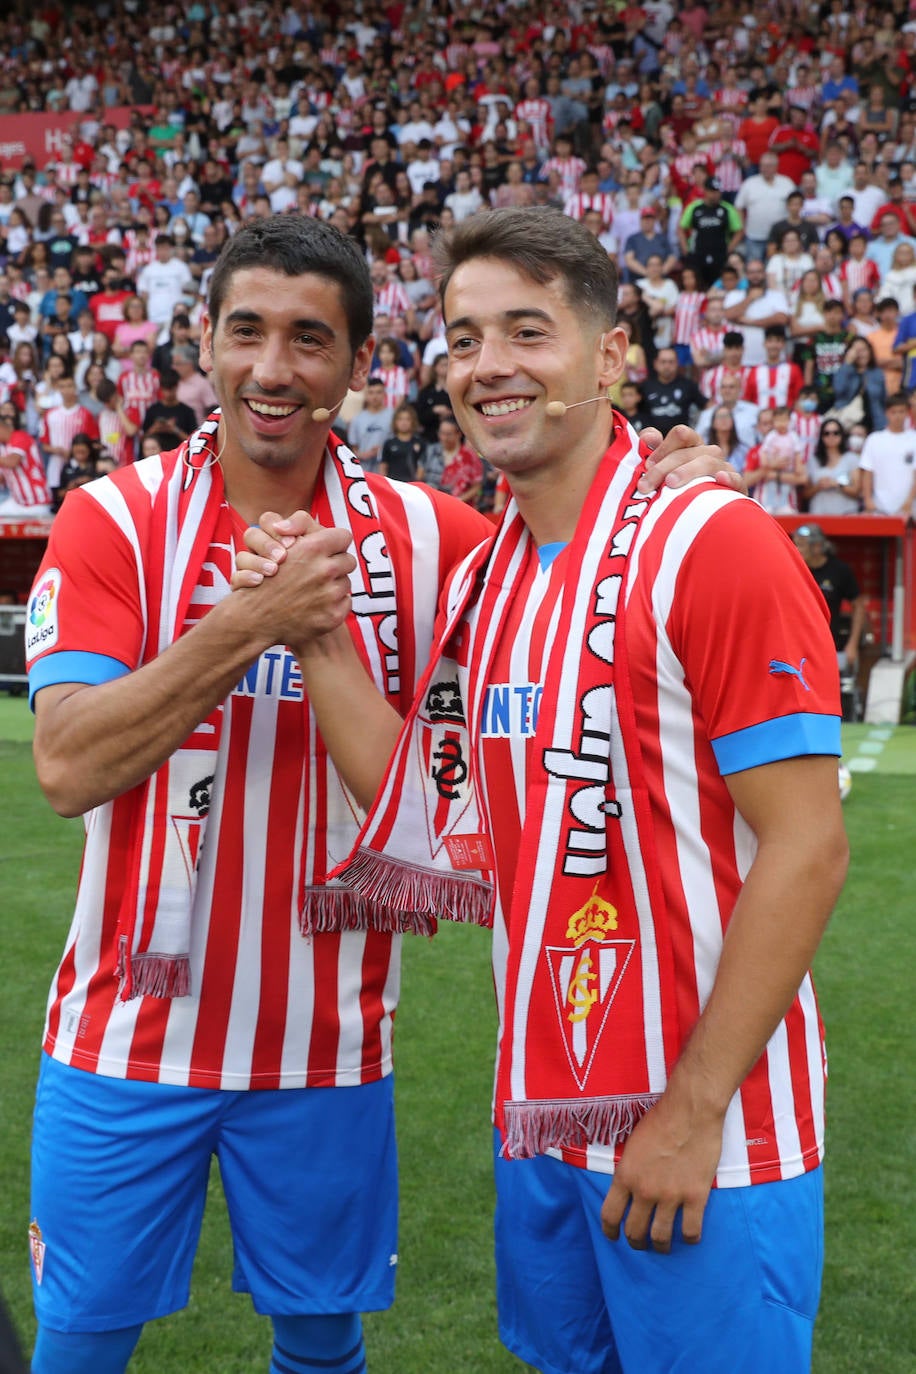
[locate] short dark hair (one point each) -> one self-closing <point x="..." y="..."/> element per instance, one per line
<point x="295" y="244"/>
<point x="542" y="243"/>
<point x="732" y="338"/>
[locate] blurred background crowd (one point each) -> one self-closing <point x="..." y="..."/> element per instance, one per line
<point x="750" y="168"/>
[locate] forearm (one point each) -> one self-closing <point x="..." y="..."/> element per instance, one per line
<point x="94" y="742"/>
<point x="340" y="692"/>
<point x="770" y="943"/>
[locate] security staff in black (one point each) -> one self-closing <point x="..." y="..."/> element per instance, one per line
<point x="708" y="230"/>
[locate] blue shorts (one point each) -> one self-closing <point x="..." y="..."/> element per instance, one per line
<point x="571" y="1301"/>
<point x="119" y="1181"/>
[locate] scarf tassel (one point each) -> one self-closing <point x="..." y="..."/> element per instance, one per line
<point x="400" y="898"/>
<point x="532" y="1128"/>
<point x="153" y="975"/>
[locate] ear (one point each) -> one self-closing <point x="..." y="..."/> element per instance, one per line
<point x="612" y="351"/>
<point x="206" y="342"/>
<point x="362" y="359"/>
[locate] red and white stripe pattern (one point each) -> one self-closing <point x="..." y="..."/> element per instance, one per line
<point x="808" y="428"/>
<point x="397" y="384"/>
<point x="27" y="484"/>
<point x="769" y="386"/>
<point x="568" y="172"/>
<point x="60" y="426"/>
<point x="687" y="313"/>
<point x="711" y="379"/>
<point x="858" y="273"/>
<point x="391" y="299"/>
<point x="707" y="342"/>
<point x="774" y="1125"/>
<point x="536" y="113"/>
<point x="602" y="201"/>
<point x="268" y="1008"/>
<point x="726" y="160"/>
<point x="139" y="389"/>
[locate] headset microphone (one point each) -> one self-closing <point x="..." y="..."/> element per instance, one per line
<point x="557" y="409"/>
<point x="322" y="413"/>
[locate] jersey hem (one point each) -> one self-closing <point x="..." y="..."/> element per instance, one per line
<point x="211" y="1080"/>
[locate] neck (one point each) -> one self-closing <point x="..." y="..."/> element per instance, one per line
<point x="252" y="489"/>
<point x="550" y="500"/>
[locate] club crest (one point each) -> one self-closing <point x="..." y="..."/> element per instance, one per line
<point x="585" y="976"/>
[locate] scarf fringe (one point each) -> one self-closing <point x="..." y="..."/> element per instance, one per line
<point x="532" y="1128"/>
<point x="405" y="898"/>
<point x="153" y="975"/>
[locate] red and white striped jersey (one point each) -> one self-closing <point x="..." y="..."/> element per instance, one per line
<point x="711" y="379"/>
<point x="139" y="389"/>
<point x="856" y="273"/>
<point x="391" y="299"/>
<point x="114" y="436"/>
<point x="707" y="341"/>
<point x="687" y="312"/>
<point x="773" y="386"/>
<point x="808" y="429"/>
<point x="27" y="484"/>
<point x="726" y="160"/>
<point x="268" y="1008"/>
<point x="397" y="384"/>
<point x="60" y="426"/>
<point x="602" y="201"/>
<point x="832" y="285"/>
<point x="774" y="1126"/>
<point x="538" y="116"/>
<point x="567" y="170"/>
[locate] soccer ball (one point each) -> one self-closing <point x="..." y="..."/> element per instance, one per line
<point x="845" y="782"/>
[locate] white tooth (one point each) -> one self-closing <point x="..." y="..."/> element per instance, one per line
<point x="262" y="409"/>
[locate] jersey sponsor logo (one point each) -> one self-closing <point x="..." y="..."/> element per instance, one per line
<point x="42" y="625"/>
<point x="37" y="1249"/>
<point x="777" y="665"/>
<point x="275" y="674"/>
<point x="510" y="711"/>
<point x="585" y="977"/>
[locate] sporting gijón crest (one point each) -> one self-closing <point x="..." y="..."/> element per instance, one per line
<point x="585" y="976"/>
<point x="443" y="747"/>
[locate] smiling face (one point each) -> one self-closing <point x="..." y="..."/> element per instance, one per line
<point x="514" y="345"/>
<point x="280" y="348"/>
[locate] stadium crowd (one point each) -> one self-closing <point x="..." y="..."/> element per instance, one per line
<point x="751" y="169"/>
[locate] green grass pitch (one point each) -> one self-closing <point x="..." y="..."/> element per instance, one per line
<point x="444" y="1319"/>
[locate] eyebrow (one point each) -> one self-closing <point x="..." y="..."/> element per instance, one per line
<point x="242" y="316"/>
<point x="510" y="316"/>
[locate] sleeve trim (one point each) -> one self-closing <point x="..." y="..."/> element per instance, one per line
<point x="785" y="737"/>
<point x="73" y="666"/>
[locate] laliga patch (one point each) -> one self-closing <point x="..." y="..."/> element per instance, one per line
<point x="37" y="1251"/>
<point x="42" y="621"/>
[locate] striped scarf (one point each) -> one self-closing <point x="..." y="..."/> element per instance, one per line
<point x="187" y="516"/>
<point x="584" y="917"/>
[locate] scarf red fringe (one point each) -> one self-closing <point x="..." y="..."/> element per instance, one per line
<point x="532" y="1128"/>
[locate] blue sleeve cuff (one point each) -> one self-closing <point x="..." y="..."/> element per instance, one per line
<point x="73" y="666"/>
<point x="786" y="737"/>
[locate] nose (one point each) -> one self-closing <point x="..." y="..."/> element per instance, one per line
<point x="493" y="358"/>
<point x="273" y="369"/>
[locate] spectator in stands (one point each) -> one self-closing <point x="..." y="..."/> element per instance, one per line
<point x="780" y="473"/>
<point x="762" y="201"/>
<point x="135" y="325"/>
<point x="670" y="397"/>
<point x="639" y="247"/>
<point x="753" y="309"/>
<point x="168" y="413"/>
<point x="722" y="431"/>
<point x="77" y="470"/>
<point x="859" y="376"/>
<point x="888" y="463"/>
<point x="24" y="490"/>
<point x="404" y="450"/>
<point x="194" y="389"/>
<point x="119" y="424"/>
<point x="839" y="587"/>
<point x="371" y="426"/>
<point x="744" y="412"/>
<point x="833" y="473"/>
